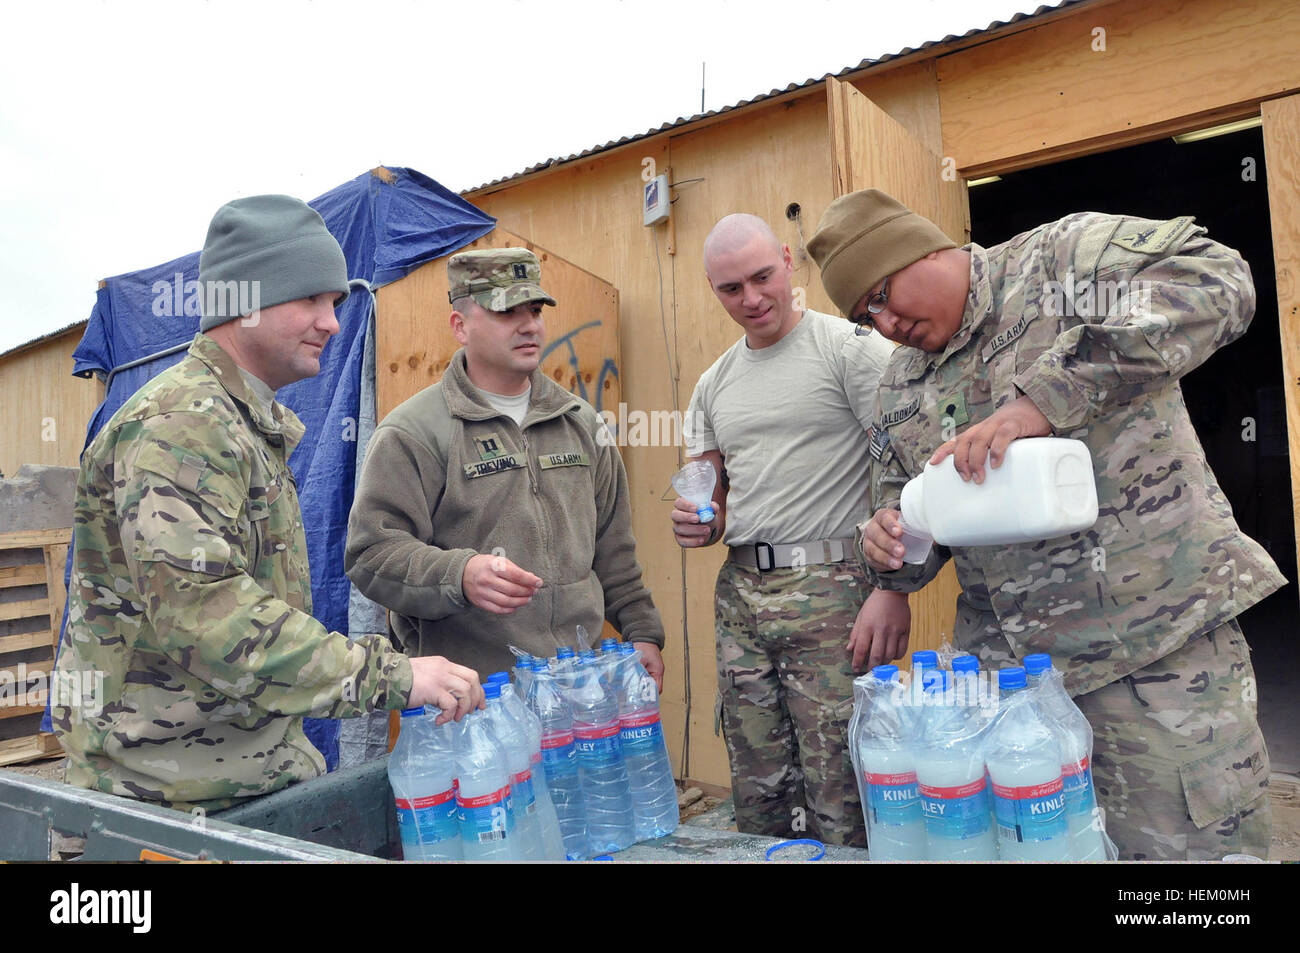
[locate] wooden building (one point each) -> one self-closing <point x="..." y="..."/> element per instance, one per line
<point x="1061" y="92"/>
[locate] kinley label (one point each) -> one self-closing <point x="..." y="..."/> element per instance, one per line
<point x="894" y="798"/>
<point x="1031" y="812"/>
<point x="956" y="812"/>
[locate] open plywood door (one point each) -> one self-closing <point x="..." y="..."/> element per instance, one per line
<point x="870" y="150"/>
<point x="1281" y="119"/>
<point x="414" y="343"/>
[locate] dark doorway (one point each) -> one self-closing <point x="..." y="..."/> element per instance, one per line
<point x="1236" y="398"/>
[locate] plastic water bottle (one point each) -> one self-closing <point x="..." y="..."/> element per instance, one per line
<point x="1043" y="489"/>
<point x="529" y="728"/>
<point x="891" y="800"/>
<point x="695" y="482"/>
<point x="1024" y="762"/>
<point x="523" y="674"/>
<point x="487" y="823"/>
<point x="559" y="759"/>
<point x="950" y="777"/>
<point x="604" y="775"/>
<point x="641" y="734"/>
<point x="523" y="800"/>
<point x="1081" y="812"/>
<point x="422" y="774"/>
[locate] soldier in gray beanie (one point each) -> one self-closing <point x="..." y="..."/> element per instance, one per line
<point x="265" y="250"/>
<point x="188" y="513"/>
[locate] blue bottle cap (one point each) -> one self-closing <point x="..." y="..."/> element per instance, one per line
<point x="965" y="663"/>
<point x="498" y="677"/>
<point x="564" y="652"/>
<point x="1038" y="663"/>
<point x="885" y="673"/>
<point x="492" y="689"/>
<point x="1010" y="679"/>
<point x="524" y="661"/>
<point x="540" y="665"/>
<point x="934" y="680"/>
<point x="587" y="654"/>
<point x="607" y="644"/>
<point x="626" y="648"/>
<point x="412" y="712"/>
<point x="927" y="657"/>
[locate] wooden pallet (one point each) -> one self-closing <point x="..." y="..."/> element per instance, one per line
<point x="32" y="596"/>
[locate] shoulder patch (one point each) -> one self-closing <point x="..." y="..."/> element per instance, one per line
<point x="1158" y="239"/>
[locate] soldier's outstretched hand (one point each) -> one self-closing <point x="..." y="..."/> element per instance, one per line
<point x="881" y="630"/>
<point x="496" y="584"/>
<point x="453" y="688"/>
<point x="989" y="439"/>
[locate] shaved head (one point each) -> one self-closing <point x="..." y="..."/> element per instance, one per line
<point x="749" y="271"/>
<point x="734" y="232"/>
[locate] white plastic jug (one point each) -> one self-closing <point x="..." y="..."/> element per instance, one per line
<point x="1043" y="489"/>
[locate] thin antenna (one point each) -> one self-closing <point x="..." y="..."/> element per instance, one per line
<point x="701" y="86"/>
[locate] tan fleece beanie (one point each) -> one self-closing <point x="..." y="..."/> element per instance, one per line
<point x="866" y="236"/>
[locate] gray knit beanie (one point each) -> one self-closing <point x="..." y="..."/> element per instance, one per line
<point x="265" y="250"/>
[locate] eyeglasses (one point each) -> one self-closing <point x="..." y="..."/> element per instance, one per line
<point x="875" y="304"/>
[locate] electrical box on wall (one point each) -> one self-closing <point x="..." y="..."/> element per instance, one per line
<point x="656" y="207"/>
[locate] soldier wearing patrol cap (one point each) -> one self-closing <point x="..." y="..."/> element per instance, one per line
<point x="190" y="592"/>
<point x="492" y="510"/>
<point x="1139" y="611"/>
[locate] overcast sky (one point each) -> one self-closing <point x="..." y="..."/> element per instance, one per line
<point x="124" y="126"/>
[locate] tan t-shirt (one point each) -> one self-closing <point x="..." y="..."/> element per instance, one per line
<point x="791" y="423"/>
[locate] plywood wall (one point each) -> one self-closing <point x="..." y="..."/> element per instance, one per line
<point x="1281" y="146"/>
<point x="1114" y="74"/>
<point x="46" y="409"/>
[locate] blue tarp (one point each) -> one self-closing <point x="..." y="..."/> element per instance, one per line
<point x="387" y="229"/>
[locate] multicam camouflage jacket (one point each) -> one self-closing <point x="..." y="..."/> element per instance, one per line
<point x="1095" y="318"/>
<point x="190" y="591"/>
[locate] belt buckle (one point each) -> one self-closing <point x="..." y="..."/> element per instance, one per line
<point x="759" y="548"/>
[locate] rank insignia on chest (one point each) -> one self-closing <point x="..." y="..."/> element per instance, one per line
<point x="489" y="447"/>
<point x="953" y="407"/>
<point x="878" y="444"/>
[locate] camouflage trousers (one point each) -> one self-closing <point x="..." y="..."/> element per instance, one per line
<point x="1179" y="763"/>
<point x="786" y="687"/>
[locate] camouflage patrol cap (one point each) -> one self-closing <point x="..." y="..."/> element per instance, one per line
<point x="497" y="278"/>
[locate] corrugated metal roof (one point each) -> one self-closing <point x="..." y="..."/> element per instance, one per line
<point x="793" y="87"/>
<point x="42" y="339"/>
